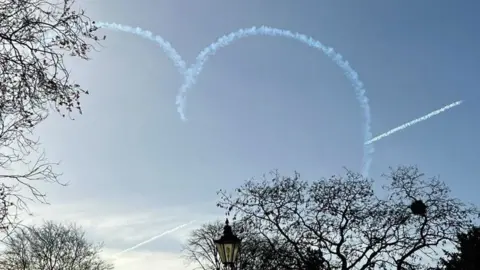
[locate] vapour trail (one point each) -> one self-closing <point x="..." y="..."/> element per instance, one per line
<point x="413" y="122"/>
<point x="153" y="238"/>
<point x="165" y="45"/>
<point x="192" y="73"/>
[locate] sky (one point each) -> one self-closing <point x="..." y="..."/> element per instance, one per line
<point x="135" y="169"/>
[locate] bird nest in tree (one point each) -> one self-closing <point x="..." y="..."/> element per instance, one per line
<point x="418" y="208"/>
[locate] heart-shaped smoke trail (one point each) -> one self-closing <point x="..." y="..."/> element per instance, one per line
<point x="191" y="73"/>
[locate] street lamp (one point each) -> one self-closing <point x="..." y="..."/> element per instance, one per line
<point x="228" y="246"/>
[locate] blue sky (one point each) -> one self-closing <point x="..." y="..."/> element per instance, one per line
<point x="135" y="169"/>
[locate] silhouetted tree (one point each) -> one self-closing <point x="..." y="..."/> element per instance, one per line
<point x="467" y="254"/>
<point x="343" y="221"/>
<point x="256" y="252"/>
<point x="200" y="248"/>
<point x="36" y="36"/>
<point x="51" y="247"/>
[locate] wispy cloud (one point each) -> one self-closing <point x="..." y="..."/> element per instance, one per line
<point x="147" y="260"/>
<point x="133" y="238"/>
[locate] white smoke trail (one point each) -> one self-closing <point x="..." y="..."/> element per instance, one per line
<point x="193" y="71"/>
<point x="413" y="122"/>
<point x="153" y="238"/>
<point x="190" y="74"/>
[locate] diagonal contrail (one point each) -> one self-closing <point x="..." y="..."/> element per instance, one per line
<point x="153" y="238"/>
<point x="413" y="122"/>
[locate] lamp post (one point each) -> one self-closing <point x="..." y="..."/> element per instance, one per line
<point x="228" y="247"/>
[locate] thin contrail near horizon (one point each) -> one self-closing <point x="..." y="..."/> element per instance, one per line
<point x="153" y="238"/>
<point x="413" y="122"/>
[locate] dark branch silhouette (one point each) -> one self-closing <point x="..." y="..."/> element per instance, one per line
<point x="36" y="36"/>
<point x="467" y="253"/>
<point x="340" y="222"/>
<point x="51" y="247"/>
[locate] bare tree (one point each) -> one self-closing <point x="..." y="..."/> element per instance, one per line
<point x="341" y="223"/>
<point x="51" y="247"/>
<point x="200" y="248"/>
<point x="256" y="252"/>
<point x="35" y="38"/>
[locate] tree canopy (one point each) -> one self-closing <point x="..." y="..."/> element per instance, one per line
<point x="51" y="247"/>
<point x="338" y="223"/>
<point x="36" y="36"/>
<point x="467" y="253"/>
